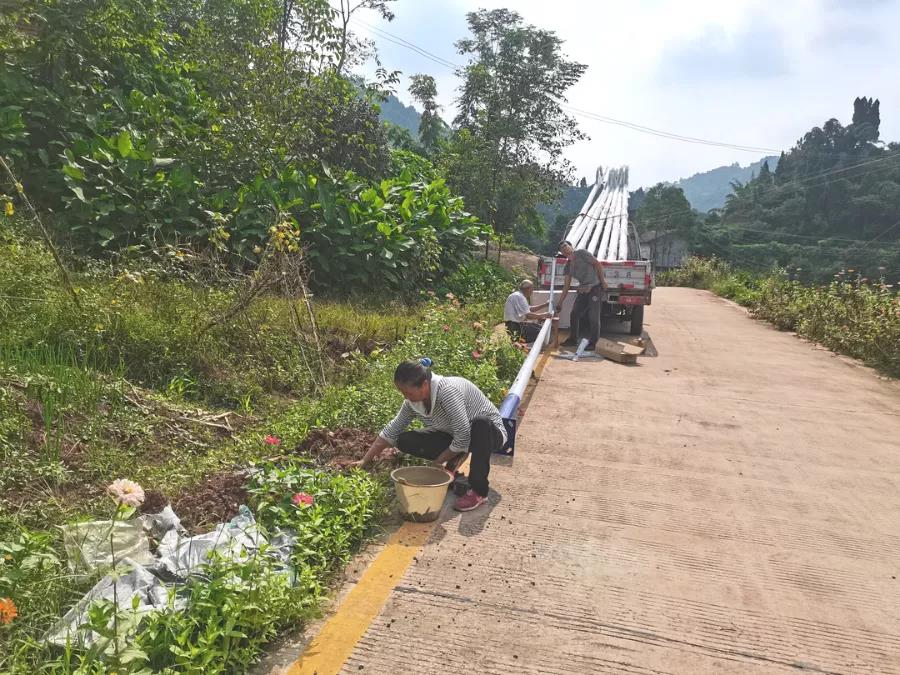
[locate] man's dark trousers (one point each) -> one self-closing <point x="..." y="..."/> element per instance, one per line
<point x="585" y="318"/>
<point x="485" y="440"/>
<point x="525" y="331"/>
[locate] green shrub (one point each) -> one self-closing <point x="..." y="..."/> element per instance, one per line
<point x="451" y="335"/>
<point x="695" y="273"/>
<point x="480" y="281"/>
<point x="850" y="317"/>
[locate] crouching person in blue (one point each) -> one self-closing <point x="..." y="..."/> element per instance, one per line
<point x="458" y="419"/>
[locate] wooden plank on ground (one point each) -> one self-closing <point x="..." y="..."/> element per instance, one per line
<point x="617" y="351"/>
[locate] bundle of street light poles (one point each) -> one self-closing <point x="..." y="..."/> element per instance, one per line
<point x="602" y="224"/>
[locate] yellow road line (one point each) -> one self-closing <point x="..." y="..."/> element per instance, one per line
<point x="334" y="644"/>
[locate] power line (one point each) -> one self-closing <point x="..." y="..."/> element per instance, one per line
<point x="789" y="234"/>
<point x="661" y="133"/>
<point x="402" y="42"/>
<point x="877" y="236"/>
<point x="397" y="40"/>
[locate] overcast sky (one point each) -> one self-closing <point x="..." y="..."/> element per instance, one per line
<point x="748" y="72"/>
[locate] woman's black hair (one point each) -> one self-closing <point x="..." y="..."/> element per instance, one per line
<point x="413" y="373"/>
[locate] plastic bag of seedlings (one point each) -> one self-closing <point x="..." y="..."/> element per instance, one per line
<point x="137" y="592"/>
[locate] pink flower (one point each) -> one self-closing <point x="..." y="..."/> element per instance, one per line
<point x="301" y="498"/>
<point x="446" y="328"/>
<point x="272" y="440"/>
<point x="126" y="492"/>
<point x="476" y="355"/>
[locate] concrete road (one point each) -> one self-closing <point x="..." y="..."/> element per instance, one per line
<point x="730" y="506"/>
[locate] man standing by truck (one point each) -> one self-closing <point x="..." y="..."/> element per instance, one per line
<point x="584" y="322"/>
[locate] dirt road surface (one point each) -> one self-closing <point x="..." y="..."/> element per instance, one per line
<point x="730" y="506"/>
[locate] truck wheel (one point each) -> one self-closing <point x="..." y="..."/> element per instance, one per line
<point x="637" y="319"/>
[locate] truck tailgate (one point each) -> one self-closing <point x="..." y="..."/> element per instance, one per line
<point x="628" y="275"/>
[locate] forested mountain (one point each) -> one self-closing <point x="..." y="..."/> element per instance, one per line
<point x="709" y="189"/>
<point x="393" y="110"/>
<point x="832" y="204"/>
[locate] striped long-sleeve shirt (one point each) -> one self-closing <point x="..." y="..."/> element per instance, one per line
<point x="455" y="402"/>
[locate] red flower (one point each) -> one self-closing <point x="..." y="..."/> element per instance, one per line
<point x="301" y="498"/>
<point x="446" y="328"/>
<point x="272" y="440"/>
<point x="476" y="355"/>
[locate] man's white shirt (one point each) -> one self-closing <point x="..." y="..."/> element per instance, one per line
<point x="516" y="307"/>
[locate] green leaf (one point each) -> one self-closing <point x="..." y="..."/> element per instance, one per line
<point x="78" y="193"/>
<point x="73" y="171"/>
<point x="124" y="144"/>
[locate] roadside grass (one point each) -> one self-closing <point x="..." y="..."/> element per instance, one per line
<point x="130" y="386"/>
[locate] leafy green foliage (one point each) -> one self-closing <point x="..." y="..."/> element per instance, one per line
<point x="144" y="323"/>
<point x="506" y="157"/>
<point x="328" y="530"/>
<point x="395" y="233"/>
<point x="431" y="128"/>
<point x="455" y="337"/>
<point x="161" y="134"/>
<point x="664" y="209"/>
<point x="831" y="204"/>
<point x="480" y="281"/>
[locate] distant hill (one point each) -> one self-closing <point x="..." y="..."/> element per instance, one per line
<point x="396" y="112"/>
<point x="709" y="189"/>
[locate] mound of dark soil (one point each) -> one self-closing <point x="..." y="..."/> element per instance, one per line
<point x="216" y="500"/>
<point x="334" y="448"/>
<point x="154" y="502"/>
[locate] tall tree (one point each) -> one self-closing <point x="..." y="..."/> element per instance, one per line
<point x="506" y="156"/>
<point x="424" y="90"/>
<point x="665" y="215"/>
<point x="866" y="119"/>
<point x="348" y="43"/>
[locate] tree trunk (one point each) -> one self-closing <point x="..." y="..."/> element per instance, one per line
<point x="345" y="19"/>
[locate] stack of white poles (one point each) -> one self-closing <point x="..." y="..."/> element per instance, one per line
<point x="602" y="224"/>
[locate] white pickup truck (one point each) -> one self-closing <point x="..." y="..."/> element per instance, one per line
<point x="630" y="284"/>
<point x="603" y="229"/>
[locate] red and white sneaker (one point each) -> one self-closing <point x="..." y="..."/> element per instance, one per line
<point x="469" y="501"/>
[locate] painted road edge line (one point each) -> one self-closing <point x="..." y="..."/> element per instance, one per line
<point x="334" y="644"/>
